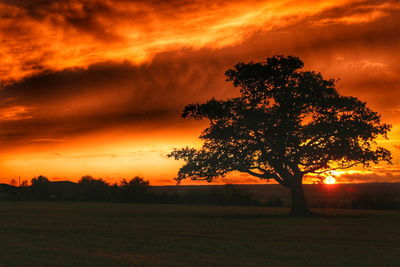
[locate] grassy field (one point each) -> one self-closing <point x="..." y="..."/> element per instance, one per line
<point x="338" y="195"/>
<point x="108" y="234"/>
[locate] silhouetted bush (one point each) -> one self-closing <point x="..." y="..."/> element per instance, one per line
<point x="64" y="191"/>
<point x="40" y="188"/>
<point x="94" y="189"/>
<point x="135" y="190"/>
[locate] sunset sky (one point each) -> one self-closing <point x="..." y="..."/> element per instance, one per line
<point x="97" y="86"/>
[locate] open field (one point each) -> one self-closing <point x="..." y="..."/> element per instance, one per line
<point x="336" y="195"/>
<point x="109" y="234"/>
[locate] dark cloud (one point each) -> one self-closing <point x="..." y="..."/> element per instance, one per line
<point x="111" y="95"/>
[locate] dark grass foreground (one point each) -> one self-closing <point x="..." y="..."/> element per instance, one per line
<point x="108" y="234"/>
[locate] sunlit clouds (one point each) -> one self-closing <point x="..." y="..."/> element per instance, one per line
<point x="15" y="113"/>
<point x="97" y="86"/>
<point x="54" y="35"/>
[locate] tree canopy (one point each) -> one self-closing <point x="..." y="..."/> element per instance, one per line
<point x="285" y="123"/>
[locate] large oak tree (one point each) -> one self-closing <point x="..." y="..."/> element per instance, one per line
<point x="285" y="124"/>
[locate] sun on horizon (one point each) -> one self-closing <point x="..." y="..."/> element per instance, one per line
<point x="330" y="180"/>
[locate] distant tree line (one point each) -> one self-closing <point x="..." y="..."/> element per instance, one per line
<point x="135" y="190"/>
<point x="138" y="190"/>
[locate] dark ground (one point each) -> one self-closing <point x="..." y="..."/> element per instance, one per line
<point x="318" y="195"/>
<point x="110" y="234"/>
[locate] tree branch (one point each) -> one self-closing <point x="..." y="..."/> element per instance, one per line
<point x="313" y="170"/>
<point x="260" y="175"/>
<point x="267" y="175"/>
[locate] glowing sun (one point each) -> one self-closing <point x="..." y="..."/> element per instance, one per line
<point x="329" y="180"/>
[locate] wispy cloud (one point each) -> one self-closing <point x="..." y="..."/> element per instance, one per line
<point x="53" y="35"/>
<point x="16" y="113"/>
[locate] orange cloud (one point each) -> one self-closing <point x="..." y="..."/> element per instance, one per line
<point x="357" y="12"/>
<point x="15" y="113"/>
<point x="54" y="35"/>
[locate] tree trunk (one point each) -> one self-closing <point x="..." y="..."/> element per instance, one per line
<point x="299" y="202"/>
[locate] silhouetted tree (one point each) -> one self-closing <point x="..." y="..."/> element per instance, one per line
<point x="94" y="189"/>
<point x="40" y="188"/>
<point x="285" y="124"/>
<point x="134" y="190"/>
